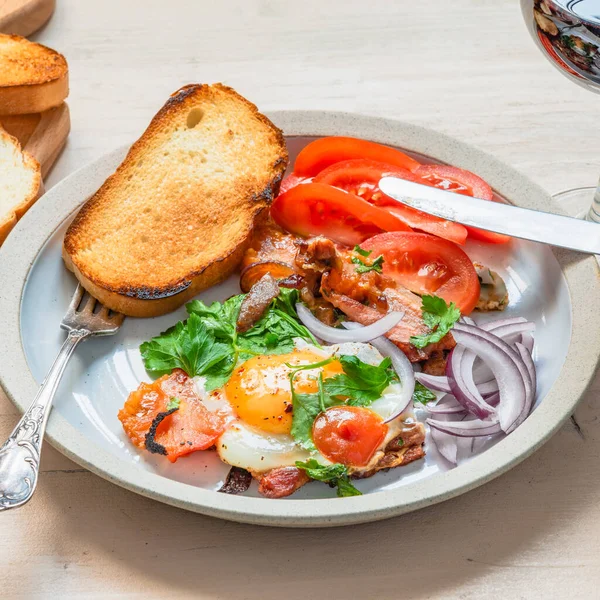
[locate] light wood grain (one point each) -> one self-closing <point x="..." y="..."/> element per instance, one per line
<point x="43" y="135"/>
<point x="466" y="68"/>
<point x="24" y="17"/>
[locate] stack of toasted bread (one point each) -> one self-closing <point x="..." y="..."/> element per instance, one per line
<point x="178" y="214"/>
<point x="33" y="87"/>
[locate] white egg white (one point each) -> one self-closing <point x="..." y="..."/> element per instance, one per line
<point x="249" y="448"/>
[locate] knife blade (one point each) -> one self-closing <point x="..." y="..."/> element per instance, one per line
<point x="524" y="223"/>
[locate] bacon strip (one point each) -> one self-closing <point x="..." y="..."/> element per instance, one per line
<point x="256" y="302"/>
<point x="281" y="482"/>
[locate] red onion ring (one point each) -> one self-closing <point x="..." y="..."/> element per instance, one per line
<point x="528" y="341"/>
<point x="475" y="428"/>
<point x="434" y="382"/>
<point x="530" y="366"/>
<point x="334" y="335"/>
<point x="439" y="383"/>
<point x="514" y="381"/>
<point x="448" y="405"/>
<point x="506" y="330"/>
<point x="459" y="370"/>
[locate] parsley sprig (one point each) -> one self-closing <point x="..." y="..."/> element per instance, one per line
<point x="207" y="342"/>
<point x="335" y="475"/>
<point x="364" y="267"/>
<point x="439" y="317"/>
<point x="422" y="395"/>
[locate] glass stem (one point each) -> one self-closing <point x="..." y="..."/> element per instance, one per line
<point x="594" y="212"/>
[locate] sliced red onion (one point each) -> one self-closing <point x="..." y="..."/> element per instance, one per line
<point x="403" y="369"/>
<point x="530" y="366"/>
<point x="467" y="320"/>
<point x="434" y="382"/>
<point x="448" y="405"/>
<point x="401" y="365"/>
<point x="444" y="442"/>
<point x="493" y="399"/>
<point x="502" y="322"/>
<point x="528" y="341"/>
<point x="439" y="383"/>
<point x="338" y="336"/>
<point x="505" y="330"/>
<point x="475" y="428"/>
<point x="459" y="370"/>
<point x="514" y="382"/>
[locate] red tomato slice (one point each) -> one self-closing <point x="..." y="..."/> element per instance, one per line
<point x="464" y="182"/>
<point x="190" y="428"/>
<point x="322" y="153"/>
<point x="292" y="180"/>
<point x="319" y="209"/>
<point x="428" y="265"/>
<point x="348" y="434"/>
<point x="361" y="177"/>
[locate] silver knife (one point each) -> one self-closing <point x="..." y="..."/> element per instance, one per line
<point x="524" y="223"/>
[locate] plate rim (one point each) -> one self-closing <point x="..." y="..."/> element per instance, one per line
<point x="20" y="250"/>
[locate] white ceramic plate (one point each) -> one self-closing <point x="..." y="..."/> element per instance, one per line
<point x="559" y="291"/>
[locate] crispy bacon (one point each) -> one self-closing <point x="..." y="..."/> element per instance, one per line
<point x="271" y="244"/>
<point x="330" y="280"/>
<point x="281" y="482"/>
<point x="256" y="302"/>
<point x="365" y="297"/>
<point x="317" y="255"/>
<point x="401" y="451"/>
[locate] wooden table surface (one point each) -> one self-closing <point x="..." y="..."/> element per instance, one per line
<point x="467" y="68"/>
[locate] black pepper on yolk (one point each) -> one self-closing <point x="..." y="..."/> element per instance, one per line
<point x="260" y="393"/>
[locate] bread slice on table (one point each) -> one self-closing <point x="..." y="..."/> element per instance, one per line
<point x="43" y="135"/>
<point x="177" y="215"/>
<point x="20" y="182"/>
<point x="33" y="78"/>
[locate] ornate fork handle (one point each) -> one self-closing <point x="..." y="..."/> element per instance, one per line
<point x="20" y="454"/>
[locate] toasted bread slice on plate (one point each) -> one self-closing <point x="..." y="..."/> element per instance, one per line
<point x="20" y="182"/>
<point x="33" y="78"/>
<point x="177" y="215"/>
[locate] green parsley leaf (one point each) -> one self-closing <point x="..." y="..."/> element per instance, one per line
<point x="287" y="300"/>
<point x="189" y="345"/>
<point x="274" y="333"/>
<point x="362" y="267"/>
<point x="361" y="382"/>
<point x="439" y="317"/>
<point x="422" y="394"/>
<point x="335" y="474"/>
<point x="362" y="252"/>
<point x="320" y="472"/>
<point x="307" y="407"/>
<point x="173" y="403"/>
<point x="345" y="488"/>
<point x="219" y="318"/>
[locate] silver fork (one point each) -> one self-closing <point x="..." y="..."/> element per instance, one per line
<point x="20" y="454"/>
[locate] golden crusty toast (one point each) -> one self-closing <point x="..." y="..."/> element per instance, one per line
<point x="33" y="78"/>
<point x="20" y="182"/>
<point x="43" y="135"/>
<point x="177" y="215"/>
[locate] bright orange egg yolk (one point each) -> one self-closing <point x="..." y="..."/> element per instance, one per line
<point x="260" y="393"/>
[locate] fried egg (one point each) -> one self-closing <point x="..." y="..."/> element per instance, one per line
<point x="257" y="401"/>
